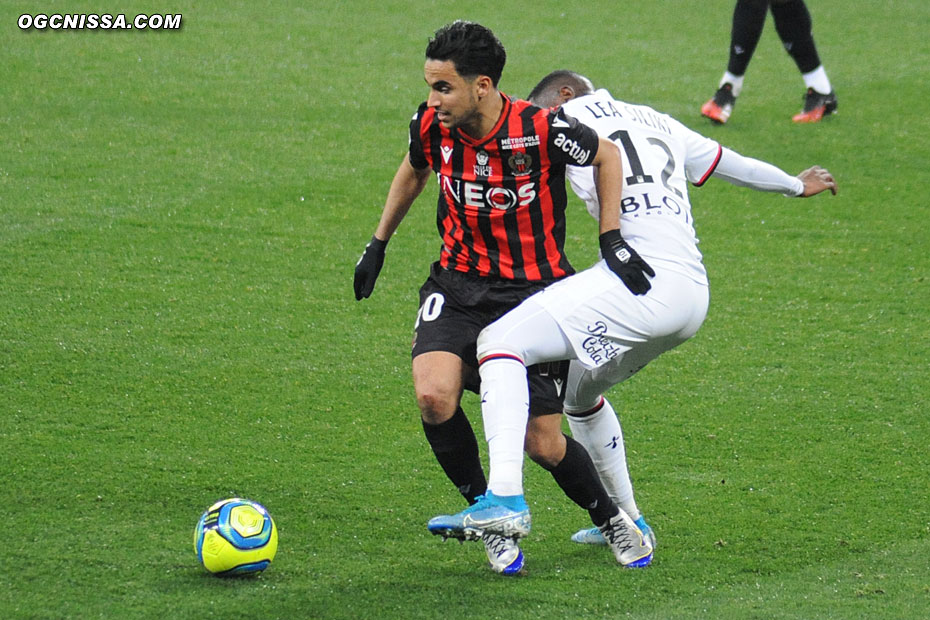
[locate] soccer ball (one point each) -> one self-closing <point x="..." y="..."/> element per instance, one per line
<point x="235" y="537"/>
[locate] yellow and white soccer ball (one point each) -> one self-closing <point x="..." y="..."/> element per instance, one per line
<point x="236" y="537"/>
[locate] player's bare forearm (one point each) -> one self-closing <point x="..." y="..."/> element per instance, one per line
<point x="408" y="183"/>
<point x="608" y="180"/>
<point x="816" y="180"/>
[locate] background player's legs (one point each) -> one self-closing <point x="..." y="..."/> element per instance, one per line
<point x="793" y="23"/>
<point x="437" y="381"/>
<point x="748" y="23"/>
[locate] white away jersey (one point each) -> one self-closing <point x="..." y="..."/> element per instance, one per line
<point x="660" y="156"/>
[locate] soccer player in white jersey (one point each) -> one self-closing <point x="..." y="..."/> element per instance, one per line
<point x="610" y="322"/>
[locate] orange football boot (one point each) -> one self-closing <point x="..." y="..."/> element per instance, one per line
<point x="719" y="107"/>
<point x="816" y="106"/>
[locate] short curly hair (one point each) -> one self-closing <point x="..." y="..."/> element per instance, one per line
<point x="472" y="48"/>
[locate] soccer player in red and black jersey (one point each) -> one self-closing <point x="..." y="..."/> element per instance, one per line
<point x="500" y="164"/>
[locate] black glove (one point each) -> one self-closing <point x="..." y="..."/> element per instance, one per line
<point x="625" y="262"/>
<point x="368" y="267"/>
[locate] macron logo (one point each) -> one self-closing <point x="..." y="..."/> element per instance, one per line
<point x="446" y="153"/>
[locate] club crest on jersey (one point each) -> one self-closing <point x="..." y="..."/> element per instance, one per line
<point x="520" y="163"/>
<point x="482" y="169"/>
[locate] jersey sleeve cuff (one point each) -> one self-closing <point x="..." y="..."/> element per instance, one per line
<point x="711" y="169"/>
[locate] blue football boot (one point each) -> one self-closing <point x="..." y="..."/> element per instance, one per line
<point x="507" y="516"/>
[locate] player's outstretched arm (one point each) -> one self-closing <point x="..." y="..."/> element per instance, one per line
<point x="816" y="180"/>
<point x="765" y="177"/>
<point x="407" y="184"/>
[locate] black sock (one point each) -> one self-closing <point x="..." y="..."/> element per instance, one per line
<point x="454" y="444"/>
<point x="748" y="22"/>
<point x="576" y="475"/>
<point x="793" y="23"/>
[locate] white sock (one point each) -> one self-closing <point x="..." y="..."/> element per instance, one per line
<point x="505" y="403"/>
<point x="601" y="436"/>
<point x="817" y="79"/>
<point x="734" y="80"/>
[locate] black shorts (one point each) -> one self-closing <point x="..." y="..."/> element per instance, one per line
<point x="455" y="307"/>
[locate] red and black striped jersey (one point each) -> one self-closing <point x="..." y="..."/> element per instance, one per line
<point x="502" y="199"/>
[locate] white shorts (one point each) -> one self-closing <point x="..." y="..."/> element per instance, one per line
<point x="593" y="317"/>
<point x="603" y="320"/>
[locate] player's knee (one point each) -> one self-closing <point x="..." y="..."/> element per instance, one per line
<point x="436" y="405"/>
<point x="582" y="396"/>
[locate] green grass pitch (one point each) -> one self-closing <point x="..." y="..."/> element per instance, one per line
<point x="180" y="215"/>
